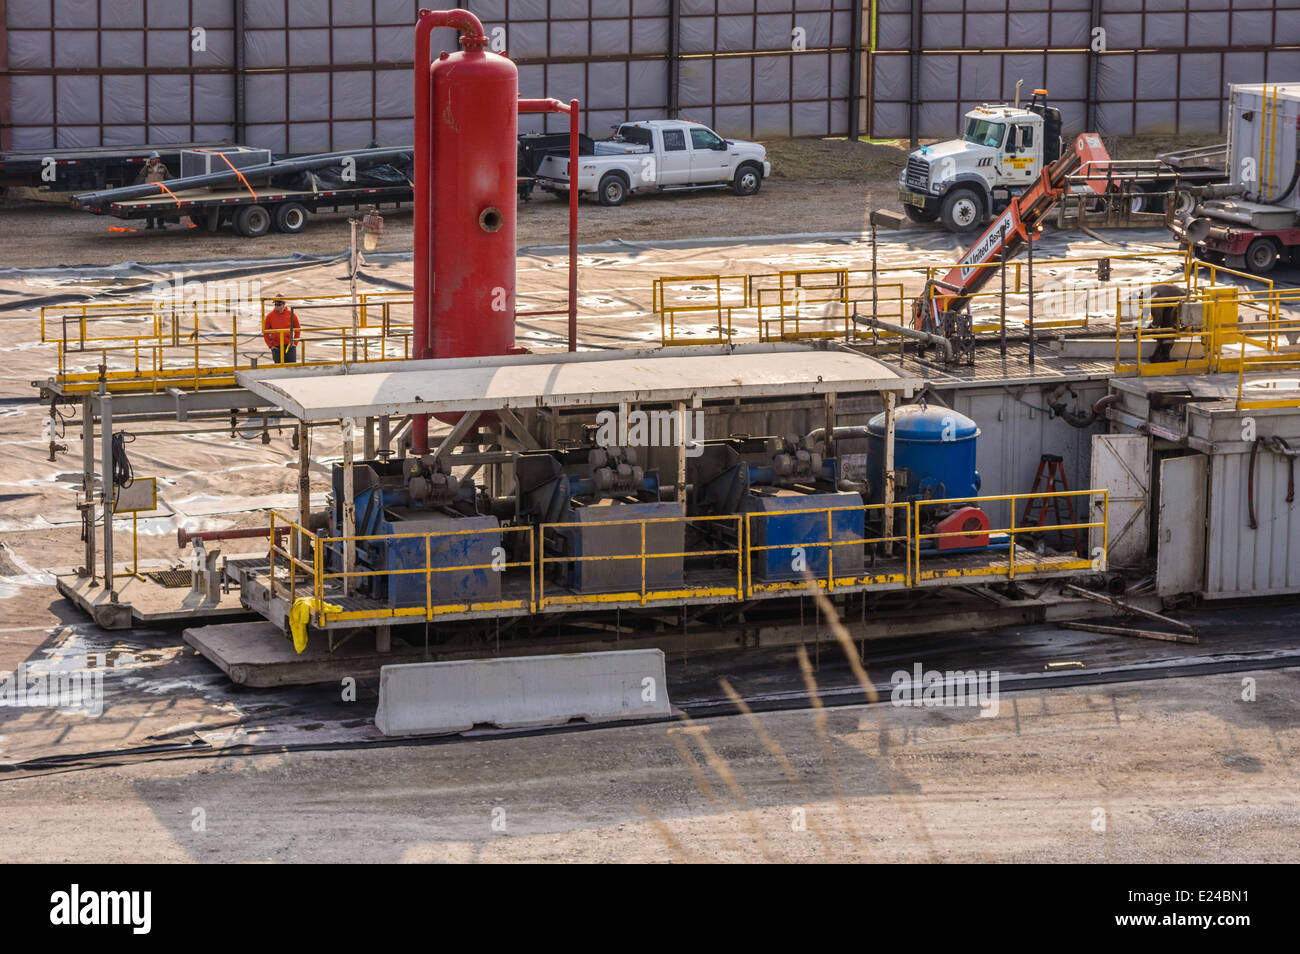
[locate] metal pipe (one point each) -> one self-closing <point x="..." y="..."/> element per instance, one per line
<point x="185" y="537"/>
<point x="92" y="200"/>
<point x="848" y="432"/>
<point x="938" y="341"/>
<point x="573" y="228"/>
<point x="572" y="108"/>
<point x="1076" y="419"/>
<point x="1129" y="607"/>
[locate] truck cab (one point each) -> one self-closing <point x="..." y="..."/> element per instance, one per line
<point x="1002" y="151"/>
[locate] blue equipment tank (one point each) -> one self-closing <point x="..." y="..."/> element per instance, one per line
<point x="935" y="445"/>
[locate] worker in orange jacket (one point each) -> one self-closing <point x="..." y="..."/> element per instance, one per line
<point x="282" y="331"/>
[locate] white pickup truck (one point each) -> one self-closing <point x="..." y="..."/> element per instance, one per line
<point x="659" y="155"/>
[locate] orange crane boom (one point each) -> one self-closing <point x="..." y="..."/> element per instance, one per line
<point x="1010" y="229"/>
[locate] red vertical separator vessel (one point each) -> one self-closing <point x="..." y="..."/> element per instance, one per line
<point x="466" y="156"/>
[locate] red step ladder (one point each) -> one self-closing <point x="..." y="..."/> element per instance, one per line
<point x="1050" y="479"/>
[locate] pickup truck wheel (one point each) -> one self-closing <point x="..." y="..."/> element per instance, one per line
<point x="748" y="180"/>
<point x="562" y="195"/>
<point x="291" y="218"/>
<point x="252" y="221"/>
<point x="962" y="210"/>
<point x="1261" y="256"/>
<point x="919" y="215"/>
<point x="613" y="189"/>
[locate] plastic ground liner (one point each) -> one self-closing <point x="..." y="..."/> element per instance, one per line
<point x="521" y="691"/>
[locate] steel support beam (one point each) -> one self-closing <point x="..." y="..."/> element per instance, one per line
<point x="453" y="438"/>
<point x="887" y="470"/>
<point x="349" y="507"/>
<point x="106" y="468"/>
<point x="88" y="481"/>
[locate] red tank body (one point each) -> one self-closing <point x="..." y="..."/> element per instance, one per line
<point x="473" y="122"/>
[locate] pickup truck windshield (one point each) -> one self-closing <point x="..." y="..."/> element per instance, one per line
<point x="983" y="133"/>
<point x="635" y="134"/>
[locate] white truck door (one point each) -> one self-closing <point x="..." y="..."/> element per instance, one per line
<point x="674" y="159"/>
<point x="1121" y="463"/>
<point x="1018" y="160"/>
<point x="1180" y="526"/>
<point x="710" y="158"/>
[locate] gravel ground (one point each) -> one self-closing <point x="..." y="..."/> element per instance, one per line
<point x="53" y="235"/>
<point x="1176" y="770"/>
<point x="826" y="185"/>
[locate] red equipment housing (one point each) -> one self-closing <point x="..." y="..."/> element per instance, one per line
<point x="466" y="148"/>
<point x="466" y="166"/>
<point x="474" y="147"/>
<point x="971" y="523"/>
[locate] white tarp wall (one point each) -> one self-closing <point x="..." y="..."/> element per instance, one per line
<point x="336" y="74"/>
<point x="1191" y="51"/>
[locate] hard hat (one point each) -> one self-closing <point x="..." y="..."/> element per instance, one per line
<point x="154" y="155"/>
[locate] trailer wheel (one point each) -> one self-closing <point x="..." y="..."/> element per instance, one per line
<point x="252" y="221"/>
<point x="962" y="210"/>
<point x="291" y="218"/>
<point x="613" y="189"/>
<point x="748" y="180"/>
<point x="1261" y="256"/>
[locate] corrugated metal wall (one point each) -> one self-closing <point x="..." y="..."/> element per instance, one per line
<point x="1240" y="561"/>
<point x="319" y="74"/>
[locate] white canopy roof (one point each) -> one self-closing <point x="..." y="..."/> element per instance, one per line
<point x="571" y="380"/>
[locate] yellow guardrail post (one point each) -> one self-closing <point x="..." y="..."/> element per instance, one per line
<point x="1011" y="555"/>
<point x="428" y="577"/>
<point x="830" y="551"/>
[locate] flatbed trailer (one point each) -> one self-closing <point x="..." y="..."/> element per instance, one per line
<point x="52" y="173"/>
<point x="254" y="212"/>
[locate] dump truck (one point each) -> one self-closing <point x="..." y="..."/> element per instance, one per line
<point x="1253" y="222"/>
<point x="1005" y="147"/>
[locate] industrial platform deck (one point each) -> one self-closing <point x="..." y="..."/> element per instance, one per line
<point x="141" y="601"/>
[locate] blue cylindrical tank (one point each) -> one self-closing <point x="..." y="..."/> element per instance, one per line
<point x="936" y="445"/>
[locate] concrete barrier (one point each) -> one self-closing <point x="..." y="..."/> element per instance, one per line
<point x="521" y="691"/>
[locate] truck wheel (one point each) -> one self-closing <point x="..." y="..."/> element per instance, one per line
<point x="962" y="210"/>
<point x="1261" y="256"/>
<point x="252" y="221"/>
<point x="290" y="218"/>
<point x="748" y="180"/>
<point x="613" y="189"/>
<point x="1144" y="200"/>
<point x="919" y="215"/>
